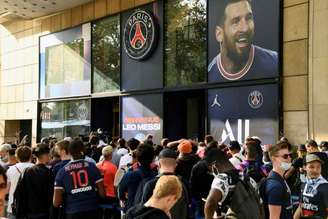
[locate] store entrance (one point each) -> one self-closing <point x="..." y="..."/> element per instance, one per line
<point x="18" y="131"/>
<point x="184" y="115"/>
<point x="105" y="115"/>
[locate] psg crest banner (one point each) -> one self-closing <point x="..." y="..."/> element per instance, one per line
<point x="142" y="115"/>
<point x="238" y="112"/>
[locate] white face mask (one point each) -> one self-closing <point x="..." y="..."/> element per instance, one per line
<point x="285" y="166"/>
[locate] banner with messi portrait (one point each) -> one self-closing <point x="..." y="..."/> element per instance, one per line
<point x="243" y="40"/>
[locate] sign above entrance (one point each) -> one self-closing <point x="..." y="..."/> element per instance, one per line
<point x="140" y="35"/>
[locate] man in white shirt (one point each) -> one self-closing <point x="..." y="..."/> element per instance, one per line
<point x="24" y="155"/>
<point x="127" y="158"/>
<point x="235" y="151"/>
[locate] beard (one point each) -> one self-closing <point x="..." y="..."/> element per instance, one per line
<point x="238" y="55"/>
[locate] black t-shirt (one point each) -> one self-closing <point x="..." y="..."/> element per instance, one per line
<point x="143" y="212"/>
<point x="38" y="184"/>
<point x="298" y="163"/>
<point x="185" y="165"/>
<point x="180" y="209"/>
<point x="324" y="168"/>
<point x="314" y="200"/>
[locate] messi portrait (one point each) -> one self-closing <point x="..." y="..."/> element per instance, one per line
<point x="243" y="39"/>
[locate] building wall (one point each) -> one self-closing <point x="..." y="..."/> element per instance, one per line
<point x="19" y="67"/>
<point x="295" y="70"/>
<point x="305" y="60"/>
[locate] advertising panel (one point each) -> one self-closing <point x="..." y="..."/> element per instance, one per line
<point x="243" y="40"/>
<point x="238" y="112"/>
<point x="142" y="115"/>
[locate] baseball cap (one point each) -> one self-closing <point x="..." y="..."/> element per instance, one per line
<point x="167" y="153"/>
<point x="301" y="147"/>
<point x="312" y="157"/>
<point x="107" y="150"/>
<point x="5" y="147"/>
<point x="185" y="147"/>
<point x="234" y="145"/>
<point x="257" y="138"/>
<point x="41" y="149"/>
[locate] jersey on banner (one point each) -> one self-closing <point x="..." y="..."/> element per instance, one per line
<point x="238" y="112"/>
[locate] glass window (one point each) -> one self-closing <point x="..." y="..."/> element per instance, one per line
<point x="106" y="54"/>
<point x="65" y="118"/>
<point x="65" y="63"/>
<point x="185" y="47"/>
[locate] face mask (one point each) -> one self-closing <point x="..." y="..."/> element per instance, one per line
<point x="285" y="166"/>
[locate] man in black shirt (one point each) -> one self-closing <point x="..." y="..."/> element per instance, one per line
<point x="167" y="192"/>
<point x="38" y="185"/>
<point x="167" y="164"/>
<point x="312" y="148"/>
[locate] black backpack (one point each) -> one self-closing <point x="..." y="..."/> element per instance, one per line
<point x="254" y="171"/>
<point x="139" y="192"/>
<point x="19" y="205"/>
<point x="245" y="201"/>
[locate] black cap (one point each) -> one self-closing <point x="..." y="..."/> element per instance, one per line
<point x="167" y="153"/>
<point x="234" y="145"/>
<point x="301" y="147"/>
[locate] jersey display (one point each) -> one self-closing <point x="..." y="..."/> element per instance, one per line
<point x="235" y="113"/>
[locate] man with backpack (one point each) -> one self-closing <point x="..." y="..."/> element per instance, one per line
<point x="37" y="186"/>
<point x="167" y="192"/>
<point x="167" y="165"/>
<point x="231" y="190"/>
<point x="14" y="173"/>
<point x="133" y="181"/>
<point x="275" y="193"/>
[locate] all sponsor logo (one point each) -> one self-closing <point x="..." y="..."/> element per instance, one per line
<point x="140" y="35"/>
<point x="255" y="99"/>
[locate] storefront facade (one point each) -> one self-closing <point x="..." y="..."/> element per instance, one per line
<point x="139" y="67"/>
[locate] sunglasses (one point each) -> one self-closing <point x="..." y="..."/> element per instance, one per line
<point x="285" y="156"/>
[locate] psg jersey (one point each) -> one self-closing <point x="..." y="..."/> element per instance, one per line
<point x="78" y="181"/>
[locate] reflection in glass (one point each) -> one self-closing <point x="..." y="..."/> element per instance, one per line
<point x="66" y="118"/>
<point x="65" y="68"/>
<point x="186" y="29"/>
<point x="106" y="54"/>
<point x="64" y="63"/>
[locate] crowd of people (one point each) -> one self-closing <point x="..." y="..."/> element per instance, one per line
<point x="100" y="177"/>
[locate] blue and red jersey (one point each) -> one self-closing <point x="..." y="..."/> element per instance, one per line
<point x="78" y="181"/>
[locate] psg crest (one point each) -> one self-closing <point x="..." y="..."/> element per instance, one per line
<point x="140" y="35"/>
<point x="255" y="99"/>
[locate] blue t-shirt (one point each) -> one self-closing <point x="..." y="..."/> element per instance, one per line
<point x="130" y="183"/>
<point x="278" y="193"/>
<point x="78" y="180"/>
<point x="58" y="166"/>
